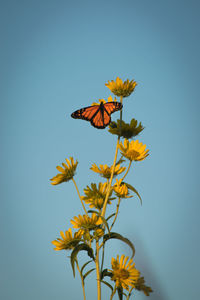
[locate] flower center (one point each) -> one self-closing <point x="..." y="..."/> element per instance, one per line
<point x="134" y="153"/>
<point x="123" y="274"/>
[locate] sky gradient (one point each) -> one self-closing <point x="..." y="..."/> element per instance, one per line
<point x="56" y="57"/>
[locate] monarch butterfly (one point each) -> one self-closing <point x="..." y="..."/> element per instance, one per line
<point x="98" y="115"/>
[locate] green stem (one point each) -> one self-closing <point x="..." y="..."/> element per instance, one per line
<point x="113" y="292"/>
<point x="102" y="260"/>
<point x="79" y="196"/>
<point x="113" y="166"/>
<point x="127" y="170"/>
<point x="98" y="272"/>
<point x="82" y="280"/>
<point x="127" y="298"/>
<point x="116" y="214"/>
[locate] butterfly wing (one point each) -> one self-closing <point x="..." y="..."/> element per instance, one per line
<point x="86" y="113"/>
<point x="111" y="107"/>
<point x="98" y="115"/>
<point x="101" y="119"/>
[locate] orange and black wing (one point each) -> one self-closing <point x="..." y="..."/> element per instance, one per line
<point x="98" y="115"/>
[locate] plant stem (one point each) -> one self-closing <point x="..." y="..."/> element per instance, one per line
<point x="113" y="166"/>
<point x="127" y="170"/>
<point x="79" y="196"/>
<point x="129" y="293"/>
<point x="102" y="260"/>
<point x="113" y="292"/>
<point x="98" y="272"/>
<point x="116" y="214"/>
<point x="82" y="280"/>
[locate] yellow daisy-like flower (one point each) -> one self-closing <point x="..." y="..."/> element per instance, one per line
<point x="68" y="241"/>
<point x="124" y="274"/>
<point x="95" y="197"/>
<point x="85" y="223"/>
<point x="110" y="99"/>
<point x="105" y="171"/>
<point x="133" y="150"/>
<point x="67" y="172"/>
<point x="121" y="189"/>
<point x="120" y="88"/>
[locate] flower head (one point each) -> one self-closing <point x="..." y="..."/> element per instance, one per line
<point x="67" y="172"/>
<point x="86" y="223"/>
<point x="133" y="150"/>
<point x="127" y="130"/>
<point x="105" y="171"/>
<point x="120" y="88"/>
<point x="110" y="99"/>
<point x="124" y="274"/>
<point x="121" y="189"/>
<point x="68" y="241"/>
<point x="95" y="197"/>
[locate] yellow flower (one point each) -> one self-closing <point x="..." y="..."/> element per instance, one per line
<point x="105" y="170"/>
<point x="95" y="197"/>
<point x="121" y="189"/>
<point x="85" y="223"/>
<point x="67" y="172"/>
<point x="98" y="233"/>
<point x="126" y="130"/>
<point x="133" y="150"/>
<point x="120" y="88"/>
<point x="124" y="274"/>
<point x="67" y="241"/>
<point x="110" y="99"/>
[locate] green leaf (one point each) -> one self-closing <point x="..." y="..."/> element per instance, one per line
<point x="129" y="186"/>
<point x="75" y="252"/>
<point x="115" y="235"/>
<point x="108" y="284"/>
<point x="108" y="218"/>
<point x="87" y="273"/>
<point x="85" y="266"/>
<point x="120" y="161"/>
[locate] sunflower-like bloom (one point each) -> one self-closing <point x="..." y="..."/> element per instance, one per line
<point x="121" y="189"/>
<point x="124" y="274"/>
<point x="127" y="130"/>
<point x="120" y="88"/>
<point x="67" y="172"/>
<point x="95" y="197"/>
<point x="85" y="223"/>
<point x="110" y="99"/>
<point x="105" y="171"/>
<point x="68" y="241"/>
<point x="133" y="150"/>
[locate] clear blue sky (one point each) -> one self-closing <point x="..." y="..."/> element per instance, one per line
<point x="55" y="57"/>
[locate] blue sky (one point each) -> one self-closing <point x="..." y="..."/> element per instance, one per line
<point x="56" y="57"/>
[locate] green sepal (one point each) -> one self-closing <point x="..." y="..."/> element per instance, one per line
<point x="75" y="252"/>
<point x="129" y="186"/>
<point x="115" y="235"/>
<point x="105" y="272"/>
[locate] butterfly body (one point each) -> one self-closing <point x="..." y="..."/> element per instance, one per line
<point x="98" y="115"/>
